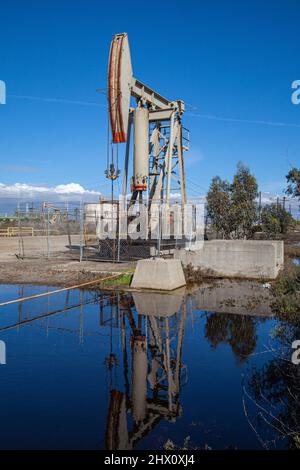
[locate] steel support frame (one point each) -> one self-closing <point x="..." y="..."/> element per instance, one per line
<point x="165" y="156"/>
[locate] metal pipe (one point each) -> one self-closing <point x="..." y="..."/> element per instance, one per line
<point x="141" y="149"/>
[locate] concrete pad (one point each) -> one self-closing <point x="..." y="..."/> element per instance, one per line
<point x="252" y="259"/>
<point x="158" y="274"/>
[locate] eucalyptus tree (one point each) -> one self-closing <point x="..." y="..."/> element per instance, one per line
<point x="232" y="206"/>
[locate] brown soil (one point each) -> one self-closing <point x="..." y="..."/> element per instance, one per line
<point x="57" y="273"/>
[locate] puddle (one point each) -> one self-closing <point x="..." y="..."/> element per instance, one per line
<point x="90" y="370"/>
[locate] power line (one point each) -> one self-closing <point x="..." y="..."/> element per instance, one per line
<point x="190" y="111"/>
<point x="245" y="121"/>
<point x="57" y="100"/>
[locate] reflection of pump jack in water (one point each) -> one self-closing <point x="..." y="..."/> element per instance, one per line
<point x="156" y="376"/>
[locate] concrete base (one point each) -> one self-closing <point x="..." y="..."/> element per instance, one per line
<point x="158" y="274"/>
<point x="251" y="259"/>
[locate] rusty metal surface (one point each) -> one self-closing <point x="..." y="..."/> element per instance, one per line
<point x="119" y="82"/>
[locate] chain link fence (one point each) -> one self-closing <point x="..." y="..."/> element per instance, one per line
<point x="76" y="231"/>
<point x="90" y="232"/>
<point x="48" y="232"/>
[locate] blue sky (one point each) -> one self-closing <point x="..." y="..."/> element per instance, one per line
<point x="232" y="62"/>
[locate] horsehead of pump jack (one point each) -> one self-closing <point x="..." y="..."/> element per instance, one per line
<point x="158" y="160"/>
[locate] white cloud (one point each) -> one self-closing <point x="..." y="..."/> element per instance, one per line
<point x="71" y="188"/>
<point x="76" y="192"/>
<point x="69" y="191"/>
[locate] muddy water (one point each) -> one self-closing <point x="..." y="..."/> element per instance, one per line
<point x="92" y="370"/>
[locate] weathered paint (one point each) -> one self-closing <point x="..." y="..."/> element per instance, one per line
<point x="119" y="86"/>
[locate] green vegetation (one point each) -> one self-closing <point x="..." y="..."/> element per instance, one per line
<point x="123" y="279"/>
<point x="276" y="221"/>
<point x="293" y="179"/>
<point x="286" y="291"/>
<point x="232" y="207"/>
<point x="233" y="211"/>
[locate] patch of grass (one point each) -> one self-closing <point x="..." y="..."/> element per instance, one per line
<point x="123" y="279"/>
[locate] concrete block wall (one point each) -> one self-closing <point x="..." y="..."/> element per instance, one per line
<point x="254" y="259"/>
<point x="280" y="253"/>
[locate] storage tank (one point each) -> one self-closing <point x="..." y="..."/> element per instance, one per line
<point x="141" y="149"/>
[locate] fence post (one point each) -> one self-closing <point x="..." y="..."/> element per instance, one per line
<point x="19" y="232"/>
<point x="119" y="215"/>
<point x="96" y="230"/>
<point x="48" y="234"/>
<point x="69" y="231"/>
<point x="81" y="231"/>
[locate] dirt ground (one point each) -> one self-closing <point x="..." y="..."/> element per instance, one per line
<point x="59" y="270"/>
<point x="58" y="273"/>
<point x="37" y="246"/>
